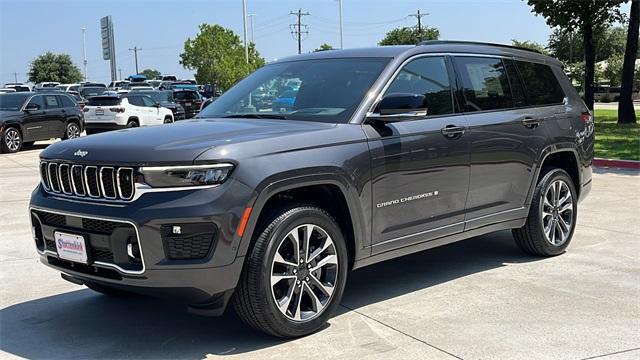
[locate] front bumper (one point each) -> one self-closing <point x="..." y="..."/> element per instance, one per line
<point x="197" y="281"/>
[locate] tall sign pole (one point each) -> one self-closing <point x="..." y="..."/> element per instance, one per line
<point x="84" y="53"/>
<point x="108" y="45"/>
<point x="244" y="30"/>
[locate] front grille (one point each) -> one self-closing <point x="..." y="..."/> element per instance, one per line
<point x="87" y="181"/>
<point x="103" y="255"/>
<point x="192" y="241"/>
<point x="100" y="226"/>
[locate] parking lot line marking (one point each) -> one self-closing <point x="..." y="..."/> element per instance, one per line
<point x="613" y="353"/>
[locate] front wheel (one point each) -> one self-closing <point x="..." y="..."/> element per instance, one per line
<point x="294" y="275"/>
<point x="132" y="124"/>
<point x="11" y="140"/>
<point x="72" y="131"/>
<point x="168" y="120"/>
<point x="552" y="216"/>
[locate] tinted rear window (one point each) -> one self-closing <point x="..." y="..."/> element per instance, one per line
<point x="104" y="101"/>
<point x="185" y="95"/>
<point x="541" y="84"/>
<point x="485" y="82"/>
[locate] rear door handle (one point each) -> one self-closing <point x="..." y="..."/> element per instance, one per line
<point x="530" y="122"/>
<point x="452" y="131"/>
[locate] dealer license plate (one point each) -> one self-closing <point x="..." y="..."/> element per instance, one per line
<point x="71" y="247"/>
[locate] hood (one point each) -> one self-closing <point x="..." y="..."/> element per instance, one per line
<point x="177" y="143"/>
<point x="7" y="115"/>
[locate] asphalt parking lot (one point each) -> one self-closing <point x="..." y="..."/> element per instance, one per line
<point x="477" y="299"/>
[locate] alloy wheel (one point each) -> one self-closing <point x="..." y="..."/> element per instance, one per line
<point x="304" y="272"/>
<point x="12" y="139"/>
<point x="73" y="131"/>
<point x="557" y="213"/>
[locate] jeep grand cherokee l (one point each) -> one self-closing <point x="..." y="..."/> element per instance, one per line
<point x="384" y="152"/>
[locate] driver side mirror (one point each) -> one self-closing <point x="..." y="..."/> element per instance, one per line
<point x="400" y="106"/>
<point x="31" y="107"/>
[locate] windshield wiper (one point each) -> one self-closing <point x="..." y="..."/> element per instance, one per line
<point x="256" y="116"/>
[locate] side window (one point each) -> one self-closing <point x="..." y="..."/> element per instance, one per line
<point x="147" y="101"/>
<point x="135" y="101"/>
<point x="485" y="83"/>
<point x="66" y="101"/>
<point x="38" y="101"/>
<point x="541" y="84"/>
<point x="51" y="101"/>
<point x="427" y="76"/>
<point x="517" y="90"/>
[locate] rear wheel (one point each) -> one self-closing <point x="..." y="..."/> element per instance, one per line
<point x="552" y="216"/>
<point x="11" y="140"/>
<point x="133" y="124"/>
<point x="294" y="275"/>
<point x="168" y="119"/>
<point x="72" y="131"/>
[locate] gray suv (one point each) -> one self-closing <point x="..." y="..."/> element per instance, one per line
<point x="375" y="154"/>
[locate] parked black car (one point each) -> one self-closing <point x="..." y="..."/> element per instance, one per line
<point x="385" y="152"/>
<point x="165" y="98"/>
<point x="27" y="117"/>
<point x="190" y="101"/>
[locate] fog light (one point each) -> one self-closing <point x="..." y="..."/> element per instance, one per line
<point x="133" y="250"/>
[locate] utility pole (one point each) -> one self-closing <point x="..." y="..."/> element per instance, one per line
<point x="296" y="29"/>
<point x="251" y="26"/>
<point x="84" y="53"/>
<point x="244" y="30"/>
<point x="419" y="16"/>
<point x="135" y="55"/>
<point x="15" y="77"/>
<point x="120" y="74"/>
<point x="340" y="8"/>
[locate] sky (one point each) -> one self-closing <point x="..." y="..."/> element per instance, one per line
<point x="160" y="27"/>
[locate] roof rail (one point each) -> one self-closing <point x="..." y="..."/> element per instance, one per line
<point x="447" y="42"/>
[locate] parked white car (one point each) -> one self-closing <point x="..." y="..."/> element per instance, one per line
<point x="68" y="87"/>
<point x="104" y="113"/>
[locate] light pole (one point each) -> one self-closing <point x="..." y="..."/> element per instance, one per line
<point x="84" y="53"/>
<point x="340" y="8"/>
<point x="244" y="30"/>
<point x="251" y="26"/>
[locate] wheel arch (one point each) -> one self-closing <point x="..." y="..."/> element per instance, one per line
<point x="327" y="191"/>
<point x="563" y="156"/>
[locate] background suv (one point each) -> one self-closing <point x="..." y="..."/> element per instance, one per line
<point x="383" y="152"/>
<point x="103" y="113"/>
<point x="26" y="117"/>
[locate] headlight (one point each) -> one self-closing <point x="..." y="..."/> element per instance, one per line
<point x="190" y="175"/>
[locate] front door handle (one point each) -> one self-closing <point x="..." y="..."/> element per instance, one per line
<point x="530" y="122"/>
<point x="452" y="131"/>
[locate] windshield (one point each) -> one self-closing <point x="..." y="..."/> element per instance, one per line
<point x="12" y="102"/>
<point x="327" y="90"/>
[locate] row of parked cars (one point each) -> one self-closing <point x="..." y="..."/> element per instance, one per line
<point x="54" y="110"/>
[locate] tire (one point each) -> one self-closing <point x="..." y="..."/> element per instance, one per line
<point x="168" y="120"/>
<point x="11" y="140"/>
<point x="255" y="299"/>
<point x="107" y="290"/>
<point x="71" y="131"/>
<point x="133" y="124"/>
<point x="551" y="223"/>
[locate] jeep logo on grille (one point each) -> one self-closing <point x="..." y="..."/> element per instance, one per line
<point x="80" y="153"/>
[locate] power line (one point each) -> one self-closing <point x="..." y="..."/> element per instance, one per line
<point x="296" y="29"/>
<point x="135" y="52"/>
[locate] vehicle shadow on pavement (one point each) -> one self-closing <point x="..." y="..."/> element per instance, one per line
<point x="84" y="324"/>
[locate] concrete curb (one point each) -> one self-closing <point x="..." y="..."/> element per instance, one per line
<point x="622" y="164"/>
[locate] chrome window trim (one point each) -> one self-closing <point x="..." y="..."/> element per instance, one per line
<point x="51" y="164"/>
<point x="133" y="187"/>
<point x="73" y="182"/>
<point x="103" y="264"/>
<point x="86" y="181"/>
<point x="104" y="193"/>
<point x="60" y="178"/>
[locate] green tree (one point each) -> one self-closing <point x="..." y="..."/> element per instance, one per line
<point x="151" y="73"/>
<point x="217" y="56"/>
<point x="54" y="67"/>
<point x="530" y="45"/>
<point x="613" y="70"/>
<point x="568" y="47"/>
<point x="324" y="47"/>
<point x="626" y="112"/>
<point x="410" y="36"/>
<point x="584" y="15"/>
